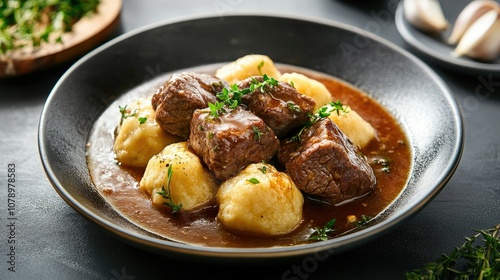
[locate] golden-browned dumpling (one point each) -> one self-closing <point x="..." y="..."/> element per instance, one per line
<point x="191" y="183"/>
<point x="261" y="201"/>
<point x="248" y="66"/>
<point x="139" y="136"/>
<point x="353" y="126"/>
<point x="310" y="87"/>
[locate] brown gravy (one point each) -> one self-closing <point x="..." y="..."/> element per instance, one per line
<point x="119" y="185"/>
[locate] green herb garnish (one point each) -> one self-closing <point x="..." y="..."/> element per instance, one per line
<point x="256" y="133"/>
<point x="231" y="97"/>
<point x="468" y="261"/>
<point x="253" y="181"/>
<point x="321" y="234"/>
<point x="216" y="109"/>
<point x="263" y="86"/>
<point x="166" y="193"/>
<point x="263" y="169"/>
<point x="142" y="120"/>
<point x="29" y="23"/>
<point x="320" y="114"/>
<point x="364" y="220"/>
<point x="259" y="67"/>
<point x="294" y="107"/>
<point x="125" y="113"/>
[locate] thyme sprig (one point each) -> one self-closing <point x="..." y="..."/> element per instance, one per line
<point x="126" y="113"/>
<point x="165" y="193"/>
<point x="468" y="261"/>
<point x="231" y="97"/>
<point x="321" y="234"/>
<point x="321" y="113"/>
<point x="267" y="83"/>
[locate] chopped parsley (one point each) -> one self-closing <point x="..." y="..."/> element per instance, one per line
<point x="253" y="181"/>
<point x="30" y="23"/>
<point x="321" y="234"/>
<point x="263" y="169"/>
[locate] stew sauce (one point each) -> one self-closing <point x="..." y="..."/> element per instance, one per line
<point x="389" y="155"/>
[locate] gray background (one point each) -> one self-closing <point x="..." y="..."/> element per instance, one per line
<point x="54" y="242"/>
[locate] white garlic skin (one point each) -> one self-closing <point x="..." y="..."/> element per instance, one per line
<point x="468" y="16"/>
<point x="481" y="40"/>
<point x="426" y="15"/>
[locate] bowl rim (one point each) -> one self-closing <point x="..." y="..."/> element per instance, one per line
<point x="458" y="64"/>
<point x="332" y="246"/>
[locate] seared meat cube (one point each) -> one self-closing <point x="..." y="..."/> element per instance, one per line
<point x="325" y="163"/>
<point x="231" y="141"/>
<point x="281" y="107"/>
<point x="183" y="93"/>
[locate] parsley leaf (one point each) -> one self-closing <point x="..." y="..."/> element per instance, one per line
<point x="253" y="180"/>
<point x="321" y="234"/>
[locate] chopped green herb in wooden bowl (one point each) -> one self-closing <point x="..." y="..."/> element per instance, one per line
<point x="35" y="34"/>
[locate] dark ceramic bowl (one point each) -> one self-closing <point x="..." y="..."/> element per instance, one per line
<point x="415" y="95"/>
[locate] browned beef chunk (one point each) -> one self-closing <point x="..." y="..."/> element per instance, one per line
<point x="324" y="163"/>
<point x="230" y="142"/>
<point x="183" y="93"/>
<point x="281" y="106"/>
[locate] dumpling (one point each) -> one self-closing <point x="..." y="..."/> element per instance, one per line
<point x="139" y="135"/>
<point x="260" y="201"/>
<point x="248" y="66"/>
<point x="191" y="183"/>
<point x="354" y="126"/>
<point x="310" y="87"/>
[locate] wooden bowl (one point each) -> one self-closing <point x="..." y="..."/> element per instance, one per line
<point x="87" y="33"/>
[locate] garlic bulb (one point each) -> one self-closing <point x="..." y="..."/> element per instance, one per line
<point x="482" y="39"/>
<point x="425" y="15"/>
<point x="468" y="16"/>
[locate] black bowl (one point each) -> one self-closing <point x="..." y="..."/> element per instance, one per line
<point x="412" y="92"/>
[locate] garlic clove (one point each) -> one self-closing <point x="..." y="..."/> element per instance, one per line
<point x="481" y="40"/>
<point x="426" y="15"/>
<point x="468" y="15"/>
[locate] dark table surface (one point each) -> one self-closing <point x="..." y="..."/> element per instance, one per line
<point x="53" y="241"/>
